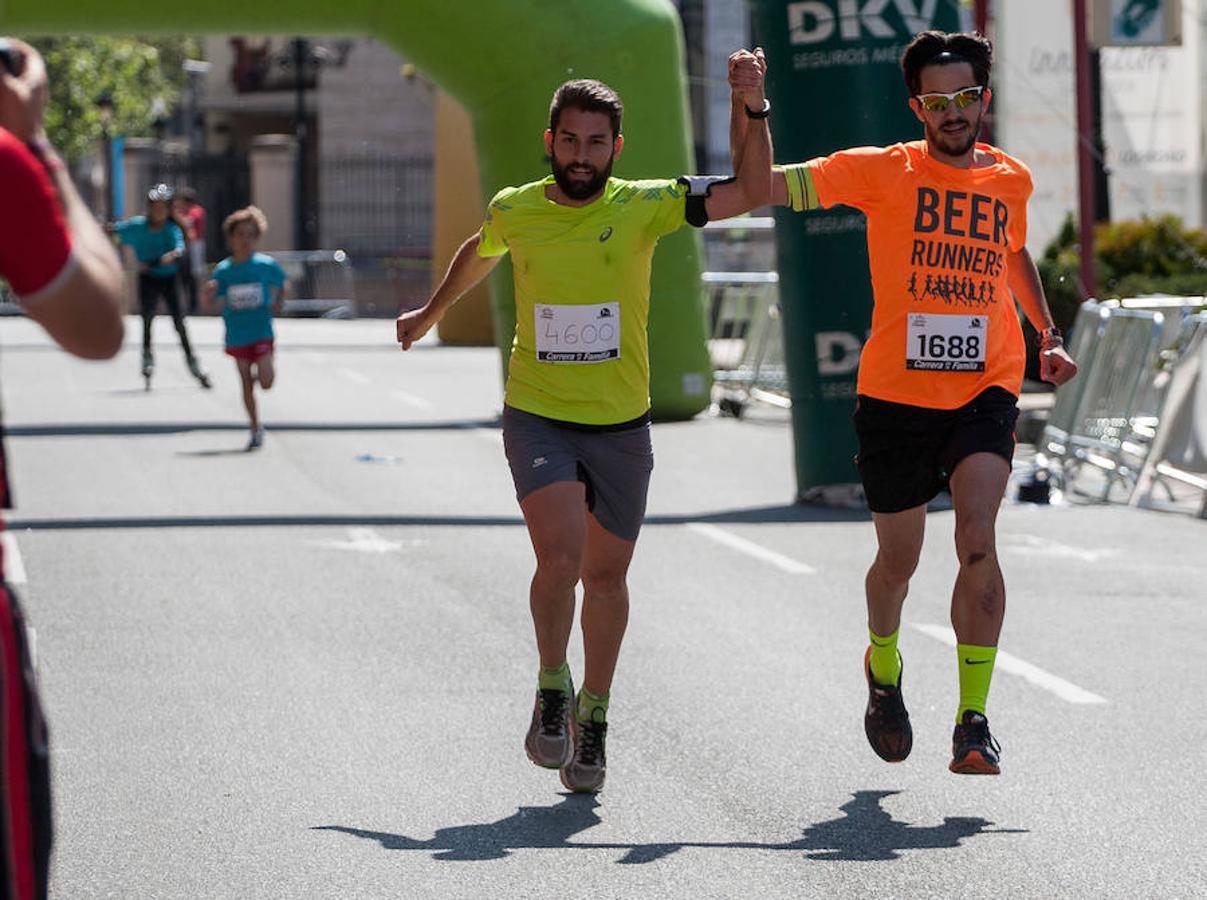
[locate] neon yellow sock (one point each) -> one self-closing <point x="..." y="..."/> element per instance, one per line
<point x="592" y="707"/>
<point x="557" y="678"/>
<point x="886" y="661"/>
<point x="976" y="670"/>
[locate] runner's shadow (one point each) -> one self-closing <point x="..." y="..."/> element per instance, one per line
<point x="529" y="827"/>
<point x="864" y="832"/>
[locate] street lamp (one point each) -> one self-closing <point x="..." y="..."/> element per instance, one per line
<point x="196" y="70"/>
<point x="104" y="106"/>
<point x="159" y="125"/>
<point x="306" y="58"/>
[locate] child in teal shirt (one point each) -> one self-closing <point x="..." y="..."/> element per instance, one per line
<point x="251" y="286"/>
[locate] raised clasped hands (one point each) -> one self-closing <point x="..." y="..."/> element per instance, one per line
<point x="747" y="71"/>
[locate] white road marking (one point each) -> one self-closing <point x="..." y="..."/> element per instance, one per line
<point x="353" y="376"/>
<point x="412" y="401"/>
<point x="1065" y="690"/>
<point x="1033" y="545"/>
<point x="495" y="435"/>
<point x="14" y="567"/>
<point x="750" y="548"/>
<point x="365" y="540"/>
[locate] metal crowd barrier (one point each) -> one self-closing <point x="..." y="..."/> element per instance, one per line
<point x="1179" y="447"/>
<point x="1093" y="417"/>
<point x="1178" y="311"/>
<point x="746" y="343"/>
<point x="321" y="283"/>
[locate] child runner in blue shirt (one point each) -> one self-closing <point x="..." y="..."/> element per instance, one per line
<point x="158" y="243"/>
<point x="251" y="286"/>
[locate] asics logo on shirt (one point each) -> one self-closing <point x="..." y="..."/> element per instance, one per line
<point x="607" y="233"/>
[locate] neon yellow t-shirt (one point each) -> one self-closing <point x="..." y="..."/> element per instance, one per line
<point x="582" y="295"/>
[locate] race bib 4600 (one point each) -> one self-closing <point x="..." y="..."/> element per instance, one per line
<point x="946" y="343"/>
<point x="585" y="333"/>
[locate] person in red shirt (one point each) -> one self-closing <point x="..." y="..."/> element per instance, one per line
<point x="190" y="215"/>
<point x="67" y="277"/>
<point x="940" y="374"/>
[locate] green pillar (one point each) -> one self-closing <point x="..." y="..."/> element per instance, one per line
<point x="834" y="81"/>
<point x="502" y="61"/>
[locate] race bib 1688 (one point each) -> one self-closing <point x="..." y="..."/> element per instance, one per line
<point x="946" y="343"/>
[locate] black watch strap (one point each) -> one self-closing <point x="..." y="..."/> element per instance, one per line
<point x="758" y="114"/>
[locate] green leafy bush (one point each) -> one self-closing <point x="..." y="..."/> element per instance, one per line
<point x="1132" y="258"/>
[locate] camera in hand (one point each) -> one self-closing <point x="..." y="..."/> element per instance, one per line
<point x="11" y="58"/>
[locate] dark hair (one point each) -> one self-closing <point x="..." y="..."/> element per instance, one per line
<point x="187" y="194"/>
<point x="588" y="95"/>
<point x="941" y="48"/>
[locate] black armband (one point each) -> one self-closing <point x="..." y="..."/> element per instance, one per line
<point x="698" y="189"/>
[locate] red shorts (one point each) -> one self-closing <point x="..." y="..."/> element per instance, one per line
<point x="251" y="352"/>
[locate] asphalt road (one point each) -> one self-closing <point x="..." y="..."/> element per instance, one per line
<point x="306" y="672"/>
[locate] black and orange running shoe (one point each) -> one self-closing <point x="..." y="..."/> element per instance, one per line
<point x="973" y="749"/>
<point x="886" y="721"/>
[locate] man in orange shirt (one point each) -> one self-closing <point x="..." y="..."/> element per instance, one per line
<point x="940" y="374"/>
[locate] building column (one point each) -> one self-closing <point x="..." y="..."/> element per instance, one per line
<point x="272" y="160"/>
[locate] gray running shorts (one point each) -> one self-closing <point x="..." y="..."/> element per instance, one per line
<point x="615" y="465"/>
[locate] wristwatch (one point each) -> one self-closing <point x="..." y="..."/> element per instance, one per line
<point x="1051" y="337"/>
<point x="758" y="114"/>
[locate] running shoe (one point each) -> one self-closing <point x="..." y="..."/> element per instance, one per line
<point x="886" y="721"/>
<point x="548" y="742"/>
<point x="148" y="367"/>
<point x="973" y="749"/>
<point x="585" y="773"/>
<point x="256" y="441"/>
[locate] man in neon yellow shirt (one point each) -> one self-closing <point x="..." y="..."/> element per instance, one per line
<point x="576" y="415"/>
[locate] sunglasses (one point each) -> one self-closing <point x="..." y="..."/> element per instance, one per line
<point x="963" y="98"/>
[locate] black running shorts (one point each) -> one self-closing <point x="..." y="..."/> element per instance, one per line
<point x="907" y="453"/>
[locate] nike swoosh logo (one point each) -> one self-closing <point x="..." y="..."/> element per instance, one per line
<point x="976" y="662"/>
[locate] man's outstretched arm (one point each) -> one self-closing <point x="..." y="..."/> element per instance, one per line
<point x="1055" y="364"/>
<point x="466" y="270"/>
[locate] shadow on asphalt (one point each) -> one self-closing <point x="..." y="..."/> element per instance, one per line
<point x="754" y="515"/>
<point x="94" y="429"/>
<point x="864" y="832"/>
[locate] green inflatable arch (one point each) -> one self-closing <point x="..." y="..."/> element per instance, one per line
<point x="502" y="61"/>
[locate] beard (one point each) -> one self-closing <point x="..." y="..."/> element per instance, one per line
<point x="577" y="189"/>
<point x="956" y="144"/>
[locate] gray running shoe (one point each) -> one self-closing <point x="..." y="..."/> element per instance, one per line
<point x="586" y="772"/>
<point x="548" y="742"/>
<point x="257" y="439"/>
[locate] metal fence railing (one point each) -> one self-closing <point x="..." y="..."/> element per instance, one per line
<point x="746" y="343"/>
<point x="1092" y="417"/>
<point x="222" y="182"/>
<point x="1178" y="452"/>
<point x="376" y="205"/>
<point x="321" y="283"/>
<point x="1106" y="419"/>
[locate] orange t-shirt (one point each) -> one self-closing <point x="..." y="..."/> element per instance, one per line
<point x="944" y="326"/>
